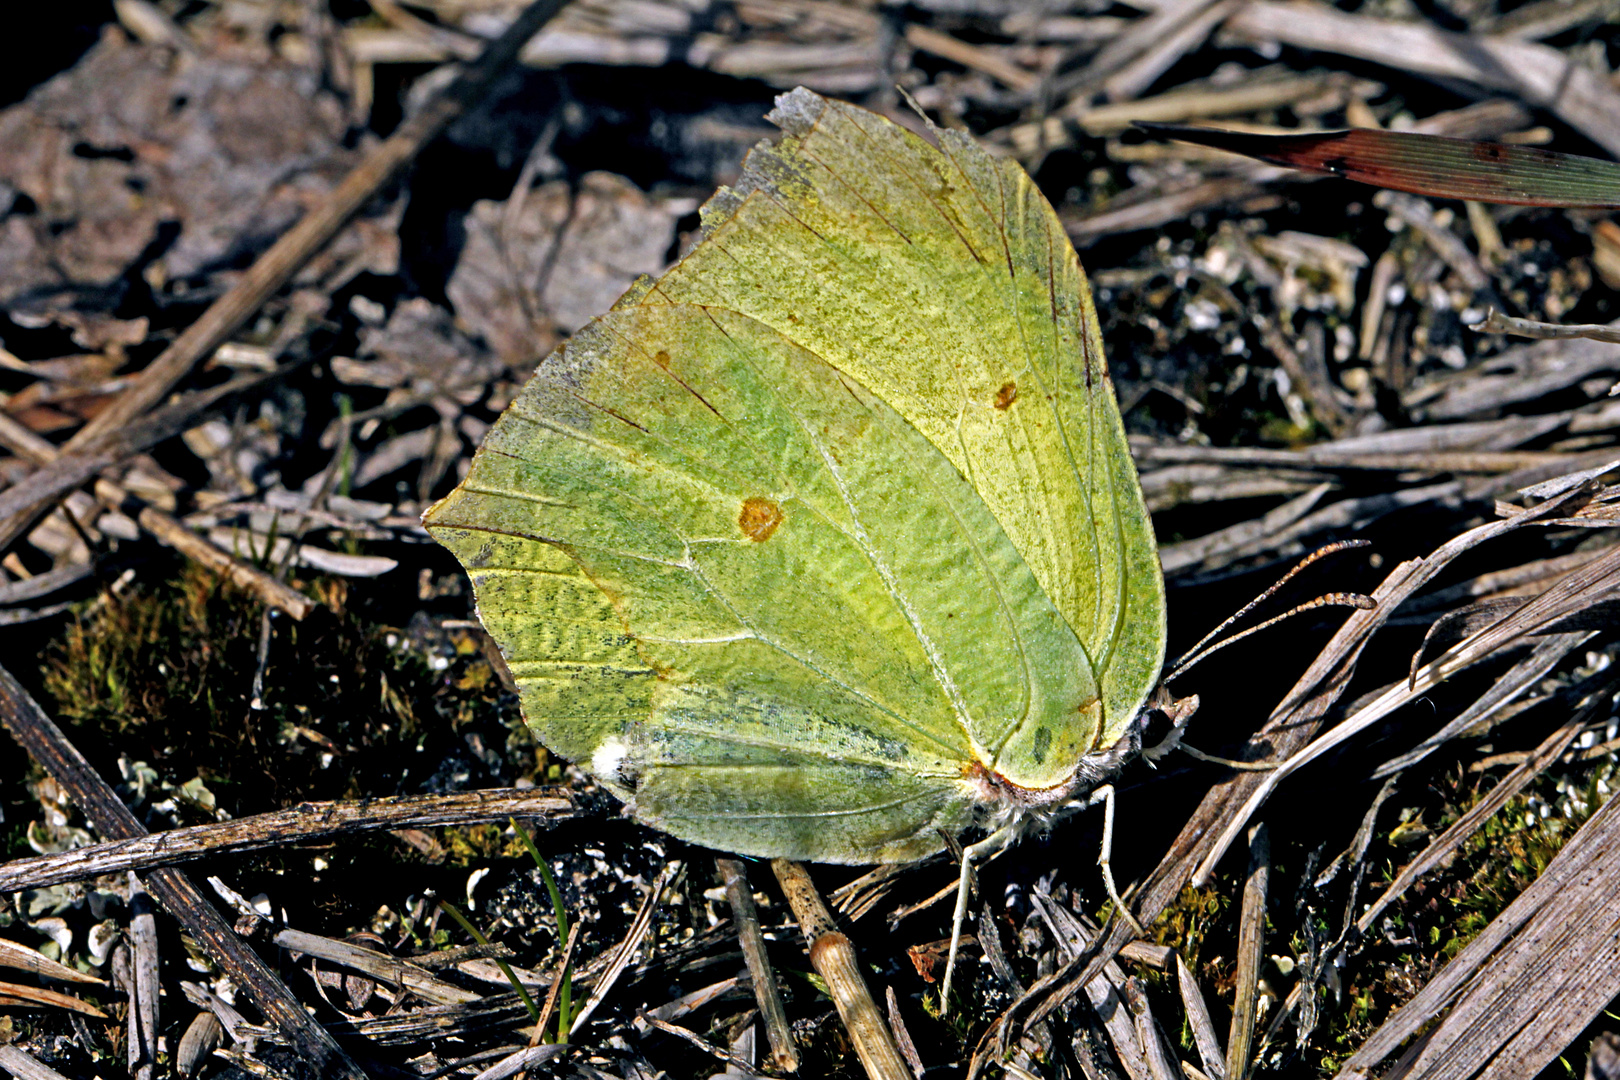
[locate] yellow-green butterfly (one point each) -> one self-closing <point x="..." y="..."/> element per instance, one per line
<point x="829" y="541"/>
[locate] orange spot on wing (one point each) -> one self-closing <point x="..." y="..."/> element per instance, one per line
<point x="759" y="519"/>
<point x="1006" y="396"/>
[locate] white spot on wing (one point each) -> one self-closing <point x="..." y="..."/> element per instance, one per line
<point x="608" y="759"/>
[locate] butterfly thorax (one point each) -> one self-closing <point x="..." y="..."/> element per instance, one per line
<point x="1002" y="802"/>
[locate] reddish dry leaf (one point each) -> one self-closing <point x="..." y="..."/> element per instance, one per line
<point x="929" y="957"/>
<point x="1427" y="164"/>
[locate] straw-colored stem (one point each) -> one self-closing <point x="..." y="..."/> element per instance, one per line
<point x="784" y="1057"/>
<point x="833" y="957"/>
<point x="1251" y="951"/>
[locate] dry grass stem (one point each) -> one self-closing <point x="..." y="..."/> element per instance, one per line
<point x="25" y="1066"/>
<point x="310" y="821"/>
<point x="783" y="1058"/>
<point x="1203" y="1028"/>
<point x="834" y="959"/>
<point x="1251" y="954"/>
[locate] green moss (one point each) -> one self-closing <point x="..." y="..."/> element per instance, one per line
<point x="481" y="844"/>
<point x="1186" y="924"/>
<point x="167" y="673"/>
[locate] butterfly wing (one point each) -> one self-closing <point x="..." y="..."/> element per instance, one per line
<point x="752" y="596"/>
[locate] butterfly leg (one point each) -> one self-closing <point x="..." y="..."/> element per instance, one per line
<point x="993" y="844"/>
<point x="1105" y="795"/>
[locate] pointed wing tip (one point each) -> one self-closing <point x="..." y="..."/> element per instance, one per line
<point x="797" y="110"/>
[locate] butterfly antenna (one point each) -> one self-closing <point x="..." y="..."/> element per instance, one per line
<point x="1336" y="599"/>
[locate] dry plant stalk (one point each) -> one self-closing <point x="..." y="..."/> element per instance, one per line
<point x="1198" y="1019"/>
<point x="783" y="1058"/>
<point x="21" y="1064"/>
<point x="834" y="959"/>
<point x="307" y="821"/>
<point x="1251" y="954"/>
